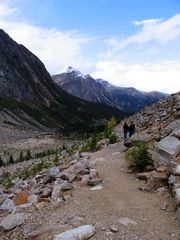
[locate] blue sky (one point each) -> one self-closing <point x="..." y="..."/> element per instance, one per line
<point x="129" y="43"/>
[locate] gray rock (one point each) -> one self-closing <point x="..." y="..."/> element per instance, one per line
<point x="114" y="229"/>
<point x="171" y="145"/>
<point x="13" y="220"/>
<point x="178" y="215"/>
<point x="8" y="205"/>
<point x="80" y="166"/>
<point x="172" y="179"/>
<point x="128" y="143"/>
<point x="176" y="170"/>
<point x="81" y="233"/>
<point x="177" y="196"/>
<point x="94" y="182"/>
<point x="93" y="174"/>
<point x="48" y="179"/>
<point x="85" y="178"/>
<point x="77" y="155"/>
<point x="53" y="171"/>
<point x="60" y="186"/>
<point x="166" y="150"/>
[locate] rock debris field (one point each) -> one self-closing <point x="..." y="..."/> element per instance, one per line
<point x="108" y="205"/>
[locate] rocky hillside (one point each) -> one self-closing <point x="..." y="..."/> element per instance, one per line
<point x="97" y="90"/>
<point x="160" y="124"/>
<point x="159" y="119"/>
<point x="26" y="86"/>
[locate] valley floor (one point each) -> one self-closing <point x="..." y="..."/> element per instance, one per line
<point x="120" y="211"/>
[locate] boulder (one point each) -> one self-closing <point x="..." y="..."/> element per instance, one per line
<point x="48" y="179"/>
<point x="81" y="233"/>
<point x="177" y="196"/>
<point x="60" y="186"/>
<point x="166" y="151"/>
<point x="53" y="171"/>
<point x="155" y="181"/>
<point x="8" y="205"/>
<point x="178" y="216"/>
<point x="13" y="220"/>
<point x="80" y="166"/>
<point x="176" y="170"/>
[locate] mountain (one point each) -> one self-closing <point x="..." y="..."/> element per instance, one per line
<point x="97" y="90"/>
<point x="28" y="91"/>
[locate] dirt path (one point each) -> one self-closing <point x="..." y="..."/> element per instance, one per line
<point x="137" y="215"/>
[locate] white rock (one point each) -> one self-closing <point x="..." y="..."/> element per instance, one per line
<point x="176" y="170"/>
<point x="127" y="221"/>
<point x="81" y="233"/>
<point x="177" y="196"/>
<point x="170" y="144"/>
<point x="95" y="188"/>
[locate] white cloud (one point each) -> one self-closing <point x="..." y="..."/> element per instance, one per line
<point x="57" y="49"/>
<point x="162" y="76"/>
<point x="158" y="30"/>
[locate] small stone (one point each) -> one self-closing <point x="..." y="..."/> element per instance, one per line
<point x="96" y="188"/>
<point x="94" y="182"/>
<point x="40" y="205"/>
<point x="144" y="175"/>
<point x="114" y="229"/>
<point x="162" y="169"/>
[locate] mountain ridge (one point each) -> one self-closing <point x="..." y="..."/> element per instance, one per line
<point x="86" y="87"/>
<point x="25" y="83"/>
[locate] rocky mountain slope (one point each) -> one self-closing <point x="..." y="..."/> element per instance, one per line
<point x="28" y="91"/>
<point x="159" y="124"/>
<point x="86" y="87"/>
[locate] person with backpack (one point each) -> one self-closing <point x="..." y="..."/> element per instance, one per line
<point x="126" y="129"/>
<point x="131" y="129"/>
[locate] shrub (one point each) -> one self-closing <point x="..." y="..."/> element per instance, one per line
<point x="109" y="126"/>
<point x="138" y="157"/>
<point x="7" y="182"/>
<point x="112" y="138"/>
<point x="56" y="160"/>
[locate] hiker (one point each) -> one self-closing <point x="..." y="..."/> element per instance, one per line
<point x="126" y="129"/>
<point x="131" y="129"/>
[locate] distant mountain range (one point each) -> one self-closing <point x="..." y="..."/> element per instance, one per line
<point x="85" y="87"/>
<point x="27" y="92"/>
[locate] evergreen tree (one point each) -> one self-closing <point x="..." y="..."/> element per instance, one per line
<point x="1" y="162"/>
<point x="28" y="155"/>
<point x="21" y="157"/>
<point x="11" y="159"/>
